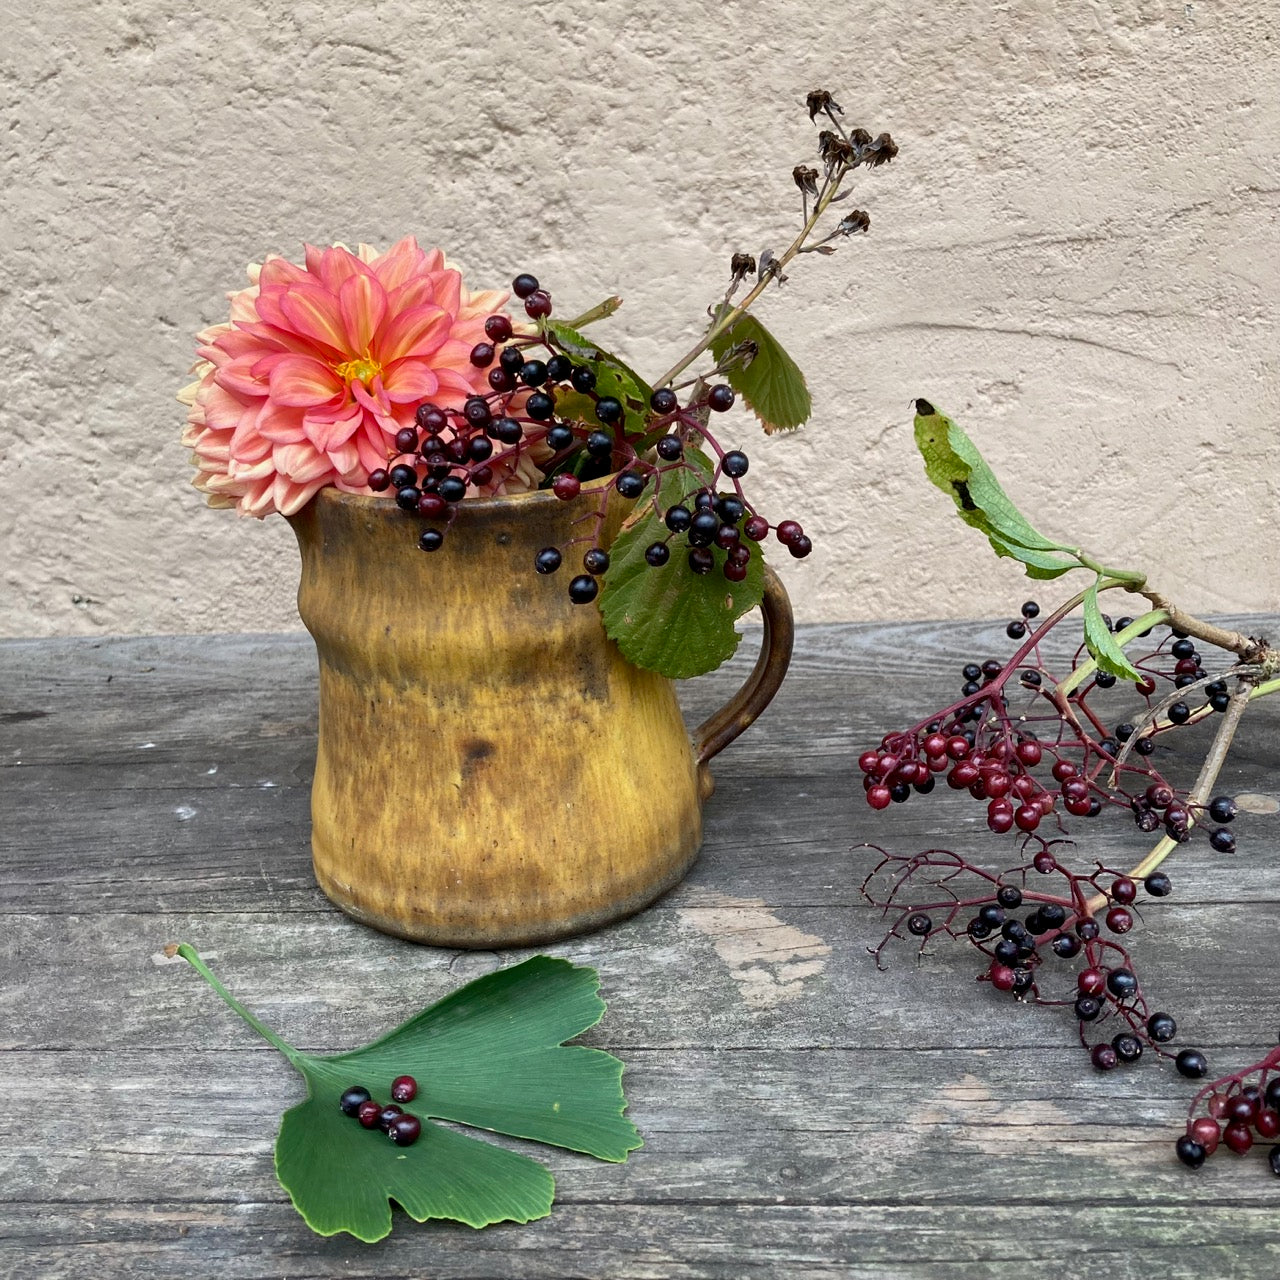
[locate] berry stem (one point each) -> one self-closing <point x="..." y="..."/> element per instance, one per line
<point x="1199" y="793"/>
<point x="192" y="957"/>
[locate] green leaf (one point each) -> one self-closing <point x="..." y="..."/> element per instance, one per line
<point x="613" y="376"/>
<point x="1101" y="644"/>
<point x="772" y="384"/>
<point x="669" y="619"/>
<point x="953" y="463"/>
<point x="491" y="1056"/>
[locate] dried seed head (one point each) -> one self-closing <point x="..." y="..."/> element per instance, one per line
<point x="879" y="152"/>
<point x="860" y="138"/>
<point x="833" y="149"/>
<point x="806" y="179"/>
<point x="854" y="220"/>
<point x="821" y="100"/>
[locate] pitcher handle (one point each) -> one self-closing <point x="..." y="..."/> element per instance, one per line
<point x="739" y="713"/>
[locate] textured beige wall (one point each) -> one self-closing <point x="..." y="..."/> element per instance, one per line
<point x="1077" y="253"/>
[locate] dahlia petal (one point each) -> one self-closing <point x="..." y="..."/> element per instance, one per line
<point x="309" y="311"/>
<point x="337" y="265"/>
<point x="247" y="446"/>
<point x="448" y="289"/>
<point x="401" y="262"/>
<point x="416" y="332"/>
<point x="289" y="498"/>
<point x="277" y="273"/>
<point x="363" y="304"/>
<point x="237" y="376"/>
<point x="408" y="381"/>
<point x="281" y="424"/>
<point x="327" y="435"/>
<point x="345" y="459"/>
<point x="301" y="463"/>
<point x="302" y="381"/>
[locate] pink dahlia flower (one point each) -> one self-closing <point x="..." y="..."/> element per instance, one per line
<point x="319" y="366"/>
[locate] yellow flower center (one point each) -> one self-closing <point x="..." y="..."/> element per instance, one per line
<point x="362" y="369"/>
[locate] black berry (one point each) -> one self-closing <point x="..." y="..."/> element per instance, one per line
<point x="351" y="1101"/>
<point x="524" y="284"/>
<point x="583" y="589"/>
<point x="664" y="401"/>
<point x="547" y="560"/>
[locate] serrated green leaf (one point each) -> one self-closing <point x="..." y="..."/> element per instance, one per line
<point x="669" y="619"/>
<point x="772" y="385"/>
<point x="614" y="377"/>
<point x="490" y="1056"/>
<point x="1101" y="644"/>
<point x="952" y="462"/>
<point x="1038" y="564"/>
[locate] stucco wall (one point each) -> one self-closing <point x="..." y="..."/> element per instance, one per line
<point x="1076" y="253"/>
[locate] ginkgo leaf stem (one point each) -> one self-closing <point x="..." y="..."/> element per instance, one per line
<point x="192" y="957"/>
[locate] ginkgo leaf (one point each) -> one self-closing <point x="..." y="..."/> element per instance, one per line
<point x="491" y="1056"/>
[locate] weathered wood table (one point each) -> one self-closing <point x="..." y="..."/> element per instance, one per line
<point x="804" y="1114"/>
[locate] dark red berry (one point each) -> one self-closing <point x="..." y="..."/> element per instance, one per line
<point x="1238" y="1137"/>
<point x="756" y="528"/>
<point x="878" y="797"/>
<point x="1104" y="1057"/>
<point x="431" y="418"/>
<point x="1207" y="1132"/>
<point x="404" y="1089"/>
<point x="566" y="486"/>
<point x="800" y="547"/>
<point x="379" y="479"/>
<point x="368" y="1114"/>
<point x="720" y="397"/>
<point x="404" y="1130"/>
<point x="788" y="531"/>
<point x="1123" y="889"/>
<point x="498" y="328"/>
<point x="538" y="304"/>
<point x="482" y="355"/>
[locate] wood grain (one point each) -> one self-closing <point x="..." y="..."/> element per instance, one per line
<point x="804" y="1114"/>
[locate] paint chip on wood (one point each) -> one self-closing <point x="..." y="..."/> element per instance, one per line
<point x="769" y="959"/>
<point x="1254" y="802"/>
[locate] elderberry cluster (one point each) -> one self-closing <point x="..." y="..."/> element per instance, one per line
<point x="449" y="453"/>
<point x="1061" y="923"/>
<point x="1000" y="756"/>
<point x="1234" y="1111"/>
<point x="402" y="1128"/>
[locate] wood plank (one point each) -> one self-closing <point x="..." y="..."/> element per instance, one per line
<point x="805" y="1115"/>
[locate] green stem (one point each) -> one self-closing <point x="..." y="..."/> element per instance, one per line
<point x="1128" y="578"/>
<point x="192" y="957"/>
<point x="1266" y="687"/>
<point x="1086" y="669"/>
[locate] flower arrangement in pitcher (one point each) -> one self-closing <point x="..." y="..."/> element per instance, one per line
<point x="381" y="373"/>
